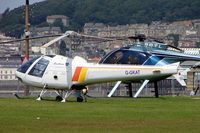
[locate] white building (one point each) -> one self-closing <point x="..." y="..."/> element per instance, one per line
<point x="51" y="19"/>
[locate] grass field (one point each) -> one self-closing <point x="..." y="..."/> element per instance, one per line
<point x="119" y="115"/>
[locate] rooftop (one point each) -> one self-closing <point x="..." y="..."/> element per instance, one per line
<point x="57" y="16"/>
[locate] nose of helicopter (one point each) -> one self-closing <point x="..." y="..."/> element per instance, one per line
<point x="21" y="71"/>
<point x="20" y="76"/>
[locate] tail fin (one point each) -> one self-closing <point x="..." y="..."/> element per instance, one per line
<point x="179" y="76"/>
<point x="180" y="79"/>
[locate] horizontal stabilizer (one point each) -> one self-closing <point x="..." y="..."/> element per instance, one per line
<point x="180" y="79"/>
<point x="179" y="76"/>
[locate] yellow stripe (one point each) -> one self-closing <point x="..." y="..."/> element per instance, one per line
<point x="83" y="74"/>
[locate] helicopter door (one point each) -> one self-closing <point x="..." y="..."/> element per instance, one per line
<point x="59" y="75"/>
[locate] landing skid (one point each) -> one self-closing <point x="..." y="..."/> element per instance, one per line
<point x="63" y="95"/>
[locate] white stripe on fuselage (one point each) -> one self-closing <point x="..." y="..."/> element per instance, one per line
<point x="107" y="73"/>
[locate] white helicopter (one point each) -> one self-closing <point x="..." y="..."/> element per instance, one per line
<point x="72" y="76"/>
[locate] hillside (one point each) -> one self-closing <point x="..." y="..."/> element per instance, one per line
<point x="105" y="11"/>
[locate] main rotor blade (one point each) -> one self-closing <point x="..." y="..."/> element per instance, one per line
<point x="66" y="34"/>
<point x="53" y="41"/>
<point x="96" y="37"/>
<point x="73" y="33"/>
<point x="31" y="38"/>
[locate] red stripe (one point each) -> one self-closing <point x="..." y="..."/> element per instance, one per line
<point x="76" y="74"/>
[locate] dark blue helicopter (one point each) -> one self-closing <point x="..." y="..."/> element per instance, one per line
<point x="144" y="52"/>
<point x="148" y="53"/>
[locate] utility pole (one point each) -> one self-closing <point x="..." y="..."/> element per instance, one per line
<point x="27" y="34"/>
<point x="27" y="30"/>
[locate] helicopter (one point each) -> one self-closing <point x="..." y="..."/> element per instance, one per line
<point x="72" y="76"/>
<point x="147" y="52"/>
<point x="144" y="51"/>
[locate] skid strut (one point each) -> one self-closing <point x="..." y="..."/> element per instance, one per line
<point x="42" y="93"/>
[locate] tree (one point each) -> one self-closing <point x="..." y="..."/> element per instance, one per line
<point x="103" y="11"/>
<point x="5" y="12"/>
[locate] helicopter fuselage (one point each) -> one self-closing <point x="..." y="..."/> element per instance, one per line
<point x="59" y="72"/>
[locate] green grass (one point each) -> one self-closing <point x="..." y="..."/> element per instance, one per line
<point x="119" y="115"/>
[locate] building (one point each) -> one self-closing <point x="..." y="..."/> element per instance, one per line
<point x="8" y="67"/>
<point x="188" y="32"/>
<point x="193" y="78"/>
<point x="194" y="51"/>
<point x="51" y="19"/>
<point x="8" y="49"/>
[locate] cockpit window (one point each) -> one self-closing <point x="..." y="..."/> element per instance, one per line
<point x="125" y="57"/>
<point x="39" y="68"/>
<point x="132" y="60"/>
<point x="117" y="57"/>
<point x="24" y="67"/>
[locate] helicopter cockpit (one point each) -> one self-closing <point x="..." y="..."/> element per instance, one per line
<point x="125" y="56"/>
<point x="40" y="65"/>
<point x="33" y="68"/>
<point x="45" y="70"/>
<point x="137" y="53"/>
<point x="24" y="67"/>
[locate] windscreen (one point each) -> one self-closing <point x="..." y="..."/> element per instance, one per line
<point x="24" y="67"/>
<point x="39" y="68"/>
